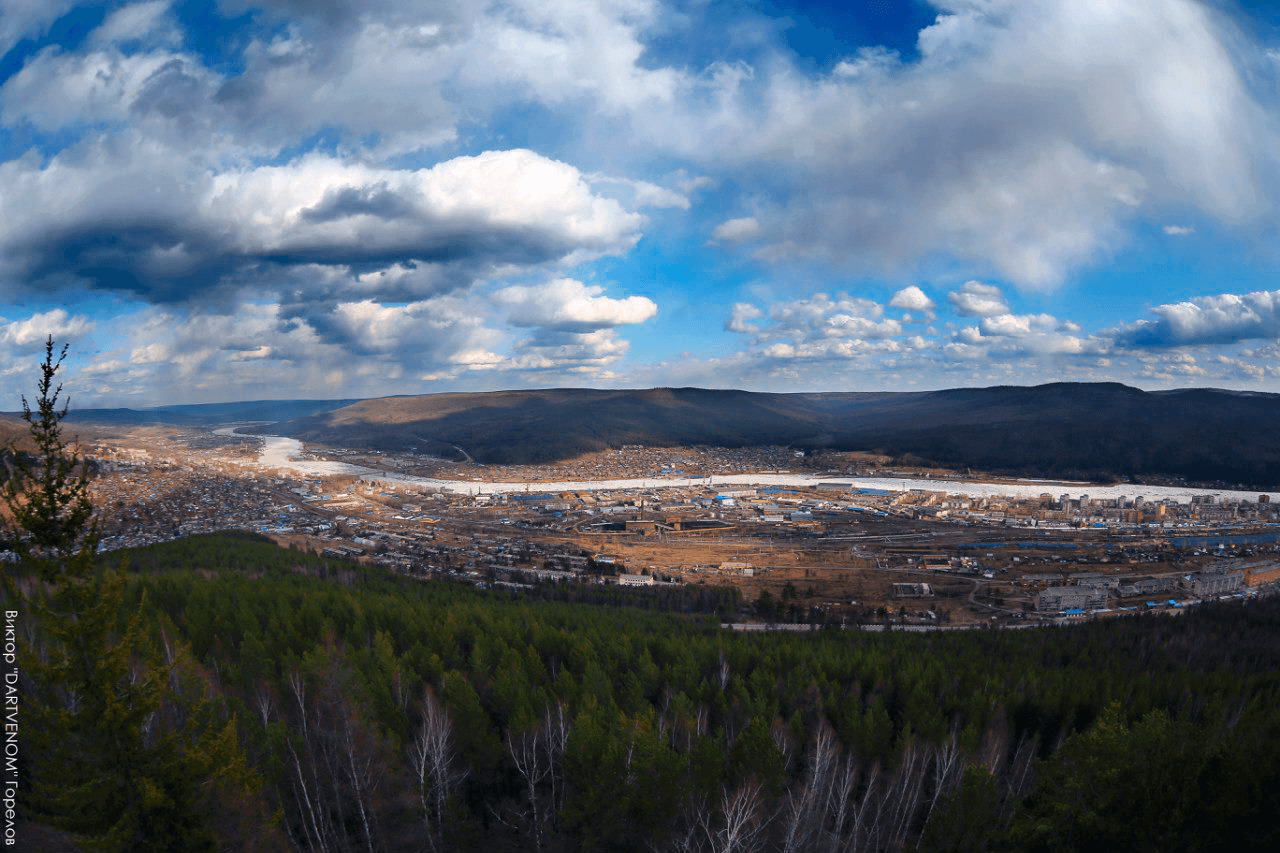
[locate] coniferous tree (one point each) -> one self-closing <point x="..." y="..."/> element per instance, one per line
<point x="109" y="755"/>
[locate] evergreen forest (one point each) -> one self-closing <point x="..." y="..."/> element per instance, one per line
<point x="350" y="709"/>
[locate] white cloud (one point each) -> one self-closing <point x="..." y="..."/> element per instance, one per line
<point x="818" y="327"/>
<point x="820" y="316"/>
<point x="31" y="333"/>
<point x="21" y="19"/>
<point x="391" y="77"/>
<point x="1017" y="325"/>
<point x="912" y="298"/>
<point x="1042" y="334"/>
<point x="367" y="349"/>
<point x="1024" y="140"/>
<point x="975" y="299"/>
<point x="558" y="50"/>
<point x="583" y="354"/>
<point x="570" y="305"/>
<point x="742" y="318"/>
<point x="736" y="230"/>
<point x="645" y="193"/>
<point x="56" y="90"/>
<point x="80" y="219"/>
<point x="1219" y="319"/>
<point x="320" y="204"/>
<point x="135" y="22"/>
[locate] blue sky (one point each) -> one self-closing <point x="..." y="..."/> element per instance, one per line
<point x="240" y="199"/>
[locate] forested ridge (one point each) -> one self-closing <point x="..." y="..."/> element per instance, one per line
<point x="375" y="711"/>
<point x="1077" y="430"/>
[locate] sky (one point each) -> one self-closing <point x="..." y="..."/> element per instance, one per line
<point x="250" y="199"/>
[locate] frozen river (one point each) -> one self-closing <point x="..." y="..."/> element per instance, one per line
<point x="283" y="453"/>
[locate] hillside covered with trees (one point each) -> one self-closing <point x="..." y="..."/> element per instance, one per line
<point x="1074" y="430"/>
<point x="376" y="711"/>
<point x="1077" y="430"/>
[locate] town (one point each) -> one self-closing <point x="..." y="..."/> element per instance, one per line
<point x="826" y="552"/>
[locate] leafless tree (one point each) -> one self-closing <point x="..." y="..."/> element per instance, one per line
<point x="362" y="770"/>
<point x="864" y="818"/>
<point x="435" y="765"/>
<point x="264" y="702"/>
<point x="1020" y="774"/>
<point x="948" y="767"/>
<point x="805" y="811"/>
<point x="843" y="786"/>
<point x="557" y="725"/>
<point x="742" y="820"/>
<point x="302" y="780"/>
<point x="905" y="795"/>
<point x="529" y="754"/>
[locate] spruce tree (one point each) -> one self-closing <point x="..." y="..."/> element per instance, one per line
<point x="110" y="756"/>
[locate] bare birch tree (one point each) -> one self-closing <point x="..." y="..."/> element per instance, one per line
<point x="432" y="755"/>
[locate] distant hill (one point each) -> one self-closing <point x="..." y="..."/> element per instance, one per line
<point x="208" y="414"/>
<point x="1079" y="430"/>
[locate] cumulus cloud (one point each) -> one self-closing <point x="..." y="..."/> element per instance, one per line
<point x="912" y="298"/>
<point x="572" y="353"/>
<point x="362" y="348"/>
<point x="1025" y="138"/>
<point x="1042" y="334"/>
<point x="742" y="318"/>
<point x="820" y="316"/>
<point x="31" y="333"/>
<point x="818" y="327"/>
<point x="796" y="344"/>
<point x="1219" y="319"/>
<point x="309" y="178"/>
<point x="79" y="220"/>
<point x="975" y="299"/>
<point x="569" y="305"/>
<point x="1173" y="367"/>
<point x="390" y="77"/>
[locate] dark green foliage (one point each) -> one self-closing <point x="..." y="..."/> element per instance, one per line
<point x="1157" y="784"/>
<point x="966" y="819"/>
<point x="1167" y="726"/>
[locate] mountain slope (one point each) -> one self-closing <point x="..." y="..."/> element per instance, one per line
<point x="1060" y="429"/>
<point x="208" y="414"/>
